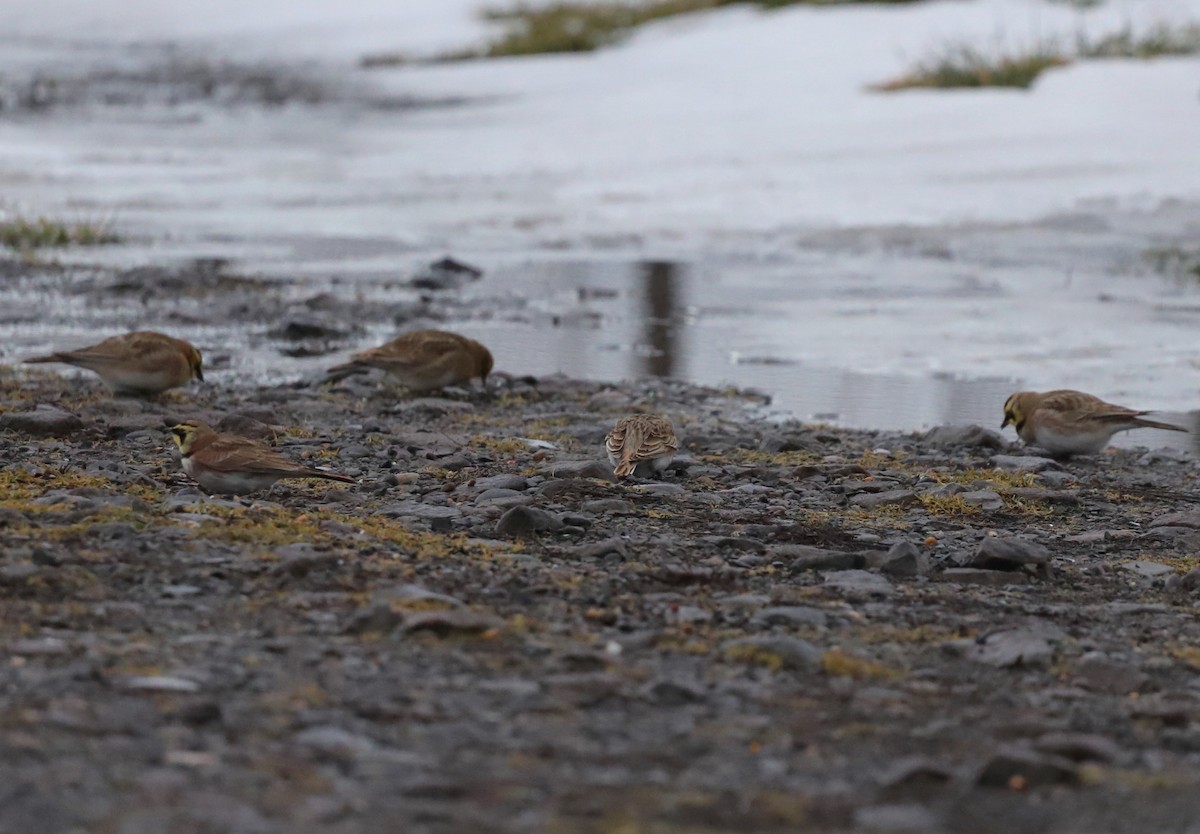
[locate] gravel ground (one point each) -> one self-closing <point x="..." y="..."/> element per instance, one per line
<point x="796" y="628"/>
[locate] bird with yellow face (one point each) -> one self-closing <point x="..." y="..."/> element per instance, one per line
<point x="141" y="363"/>
<point x="233" y="465"/>
<point x="1065" y="422"/>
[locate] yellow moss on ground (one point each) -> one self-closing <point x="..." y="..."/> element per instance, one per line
<point x="839" y="664"/>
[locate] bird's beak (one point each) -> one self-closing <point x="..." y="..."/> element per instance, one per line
<point x="200" y="374"/>
<point x="1007" y="419"/>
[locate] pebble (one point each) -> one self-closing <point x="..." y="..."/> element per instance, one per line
<point x="43" y="421"/>
<point x="1024" y="646"/>
<point x="888" y="498"/>
<point x="905" y="559"/>
<point x="801" y="557"/>
<point x="1024" y="463"/>
<point x="859" y="582"/>
<point x="985" y="499"/>
<point x="789" y="652"/>
<point x="1098" y="671"/>
<point x="1009" y="553"/>
<point x="972" y="436"/>
<point x="794" y="615"/>
<point x="521" y="521"/>
<point x="1032" y="769"/>
<point x="978" y="576"/>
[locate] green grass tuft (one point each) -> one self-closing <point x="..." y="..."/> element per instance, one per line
<point x="1160" y="40"/>
<point x="966" y="66"/>
<point x="24" y="235"/>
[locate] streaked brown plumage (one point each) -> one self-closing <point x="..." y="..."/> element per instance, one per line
<point x="1065" y="422"/>
<point x="142" y="362"/>
<point x="423" y="360"/>
<point x="642" y="444"/>
<point x="229" y="464"/>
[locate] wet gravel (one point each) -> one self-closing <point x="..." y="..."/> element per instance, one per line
<point x="796" y="628"/>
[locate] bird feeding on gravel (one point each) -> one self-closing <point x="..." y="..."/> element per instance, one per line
<point x="143" y="362"/>
<point x="1068" y="422"/>
<point x="423" y="360"/>
<point x="641" y="445"/>
<point x="233" y="465"/>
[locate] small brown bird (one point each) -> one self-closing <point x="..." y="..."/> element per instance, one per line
<point x="423" y="360"/>
<point x="233" y="465"/>
<point x="643" y="444"/>
<point x="142" y="362"/>
<point x="1068" y="422"/>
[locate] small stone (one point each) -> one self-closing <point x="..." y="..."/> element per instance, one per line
<point x="673" y="693"/>
<point x="514" y="482"/>
<point x="1079" y="747"/>
<point x="1190" y="581"/>
<point x="602" y="549"/>
<point x="446" y="623"/>
<point x="985" y="499"/>
<point x="784" y="652"/>
<point x="1190" y="518"/>
<point x="39" y="646"/>
<point x="976" y="437"/>
<point x="1147" y="569"/>
<point x="978" y="576"/>
<point x="581" y="469"/>
<point x="158" y="683"/>
<point x="858" y="582"/>
<point x="522" y="521"/>
<point x="1024" y="463"/>
<point x="1099" y="672"/>
<point x="1034" y="769"/>
<point x="335" y="743"/>
<point x="905" y="559"/>
<point x="888" y="498"/>
<point x="793" y="615"/>
<point x="602" y="506"/>
<point x="1023" y="646"/>
<point x="43" y="421"/>
<point x="801" y="557"/>
<point x="996" y="553"/>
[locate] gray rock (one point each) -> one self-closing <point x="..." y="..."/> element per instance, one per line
<point x="1024" y="463"/>
<point x="1188" y="518"/>
<point x="673" y="693"/>
<point x="895" y="819"/>
<point x="602" y="549"/>
<point x="802" y="557"/>
<point x="978" y="576"/>
<point x="859" y="582"/>
<point x="438" y="517"/>
<point x="1023" y="646"/>
<point x="157" y="683"/>
<point x="41" y="646"/>
<point x="600" y="506"/>
<point x="522" y="521"/>
<point x="1079" y="747"/>
<point x="1190" y="581"/>
<point x="335" y="743"/>
<point x="581" y="469"/>
<point x="513" y="482"/>
<point x="1147" y="569"/>
<point x="905" y="559"/>
<point x="1055" y="477"/>
<point x="888" y="498"/>
<point x="1009" y="553"/>
<point x="661" y="489"/>
<point x="985" y="499"/>
<point x="43" y="421"/>
<point x="495" y="493"/>
<point x="1099" y="672"/>
<point x="914" y="776"/>
<point x="788" y="652"/>
<point x="1032" y="769"/>
<point x="794" y="615"/>
<point x="976" y="437"/>
<point x="450" y="622"/>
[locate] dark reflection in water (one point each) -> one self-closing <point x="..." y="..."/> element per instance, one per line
<point x="659" y="280"/>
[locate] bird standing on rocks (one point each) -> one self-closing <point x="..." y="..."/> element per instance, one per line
<point x="143" y="362"/>
<point x="643" y="444"/>
<point x="232" y="465"/>
<point x="1065" y="422"/>
<point x="423" y="360"/>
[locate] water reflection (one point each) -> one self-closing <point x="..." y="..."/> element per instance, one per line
<point x="661" y="313"/>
